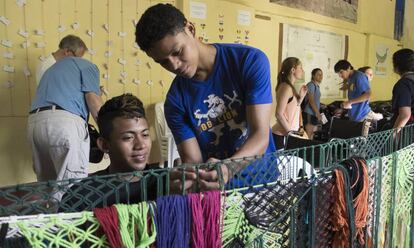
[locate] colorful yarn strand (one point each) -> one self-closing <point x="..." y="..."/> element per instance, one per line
<point x="197" y="227"/>
<point x="108" y="219"/>
<point x="211" y="214"/>
<point x="133" y="225"/>
<point x="173" y="221"/>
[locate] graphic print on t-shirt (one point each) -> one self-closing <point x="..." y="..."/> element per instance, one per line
<point x="222" y="117"/>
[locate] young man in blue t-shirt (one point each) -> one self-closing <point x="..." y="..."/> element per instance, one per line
<point x="219" y="104"/>
<point x="359" y="93"/>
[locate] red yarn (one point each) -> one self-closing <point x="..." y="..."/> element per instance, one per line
<point x="211" y="213"/>
<point x="108" y="218"/>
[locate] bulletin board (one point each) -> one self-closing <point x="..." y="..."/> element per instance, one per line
<point x="315" y="49"/>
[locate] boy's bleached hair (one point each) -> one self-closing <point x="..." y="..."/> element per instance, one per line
<point x="125" y="106"/>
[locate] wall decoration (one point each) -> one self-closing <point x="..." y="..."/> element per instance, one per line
<point x="381" y="55"/>
<point x="4" y="20"/>
<point x="346" y="10"/>
<point x="198" y="10"/>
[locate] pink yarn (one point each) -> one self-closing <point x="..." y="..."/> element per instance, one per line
<point x="205" y="215"/>
<point x="197" y="226"/>
<point x="211" y="213"/>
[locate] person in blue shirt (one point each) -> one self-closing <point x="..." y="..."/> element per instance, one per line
<point x="359" y="93"/>
<point x="311" y="113"/>
<point x="219" y="104"/>
<point x="57" y="124"/>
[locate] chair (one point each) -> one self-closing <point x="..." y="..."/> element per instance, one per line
<point x="345" y="129"/>
<point x="307" y="149"/>
<point x="168" y="149"/>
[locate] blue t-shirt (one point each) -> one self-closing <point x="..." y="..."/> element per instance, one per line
<point x="357" y="85"/>
<point x="214" y="111"/>
<point x="65" y="84"/>
<point x="313" y="89"/>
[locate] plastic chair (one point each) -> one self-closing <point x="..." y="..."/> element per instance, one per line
<point x="168" y="149"/>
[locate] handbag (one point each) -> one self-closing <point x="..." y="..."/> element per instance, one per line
<point x="95" y="154"/>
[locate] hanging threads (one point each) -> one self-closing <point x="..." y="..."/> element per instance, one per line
<point x="358" y="174"/>
<point x="197" y="226"/>
<point x="108" y="218"/>
<point x="211" y="213"/>
<point x="173" y="221"/>
<point x="133" y="225"/>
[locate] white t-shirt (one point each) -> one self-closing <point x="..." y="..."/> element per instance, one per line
<point x="43" y="66"/>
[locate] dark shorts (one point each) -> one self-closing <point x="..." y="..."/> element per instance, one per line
<point x="279" y="141"/>
<point x="309" y="119"/>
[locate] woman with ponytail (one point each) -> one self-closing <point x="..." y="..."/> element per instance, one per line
<point x="288" y="100"/>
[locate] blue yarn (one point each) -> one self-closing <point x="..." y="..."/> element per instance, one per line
<point x="173" y="221"/>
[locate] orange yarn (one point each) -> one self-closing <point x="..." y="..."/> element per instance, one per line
<point x="339" y="213"/>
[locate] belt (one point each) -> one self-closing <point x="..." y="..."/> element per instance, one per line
<point x="45" y="108"/>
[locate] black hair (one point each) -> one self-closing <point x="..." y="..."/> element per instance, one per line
<point x="403" y="60"/>
<point x="342" y="65"/>
<point x="157" y="22"/>
<point x="125" y="106"/>
<point x="314" y="71"/>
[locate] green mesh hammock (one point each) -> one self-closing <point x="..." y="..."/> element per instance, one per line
<point x="403" y="200"/>
<point x="63" y="230"/>
<point x="238" y="232"/>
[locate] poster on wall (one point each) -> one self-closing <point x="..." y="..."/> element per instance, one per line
<point x="381" y="58"/>
<point x="198" y="10"/>
<point x="346" y="10"/>
<point x="315" y="49"/>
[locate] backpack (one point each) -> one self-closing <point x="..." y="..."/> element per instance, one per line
<point x="304" y="102"/>
<point x="95" y="154"/>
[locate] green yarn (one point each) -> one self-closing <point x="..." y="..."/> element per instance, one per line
<point x="133" y="225"/>
<point x="58" y="231"/>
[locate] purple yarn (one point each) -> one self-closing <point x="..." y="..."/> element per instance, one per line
<point x="173" y="221"/>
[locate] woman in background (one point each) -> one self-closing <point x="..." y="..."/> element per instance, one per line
<point x="367" y="70"/>
<point x="288" y="100"/>
<point x="311" y="115"/>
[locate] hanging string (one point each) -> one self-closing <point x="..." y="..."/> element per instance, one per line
<point x="108" y="218"/>
<point x="197" y="226"/>
<point x="27" y="79"/>
<point x="359" y="186"/>
<point x="211" y="214"/>
<point x="173" y="221"/>
<point x="133" y="225"/>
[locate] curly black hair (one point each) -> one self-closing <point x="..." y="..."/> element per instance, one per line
<point x="403" y="60"/>
<point x="157" y="22"/>
<point x="125" y="106"/>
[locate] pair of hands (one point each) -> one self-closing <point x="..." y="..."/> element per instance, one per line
<point x="208" y="179"/>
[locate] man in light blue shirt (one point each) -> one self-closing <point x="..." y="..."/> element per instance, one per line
<point x="57" y="123"/>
